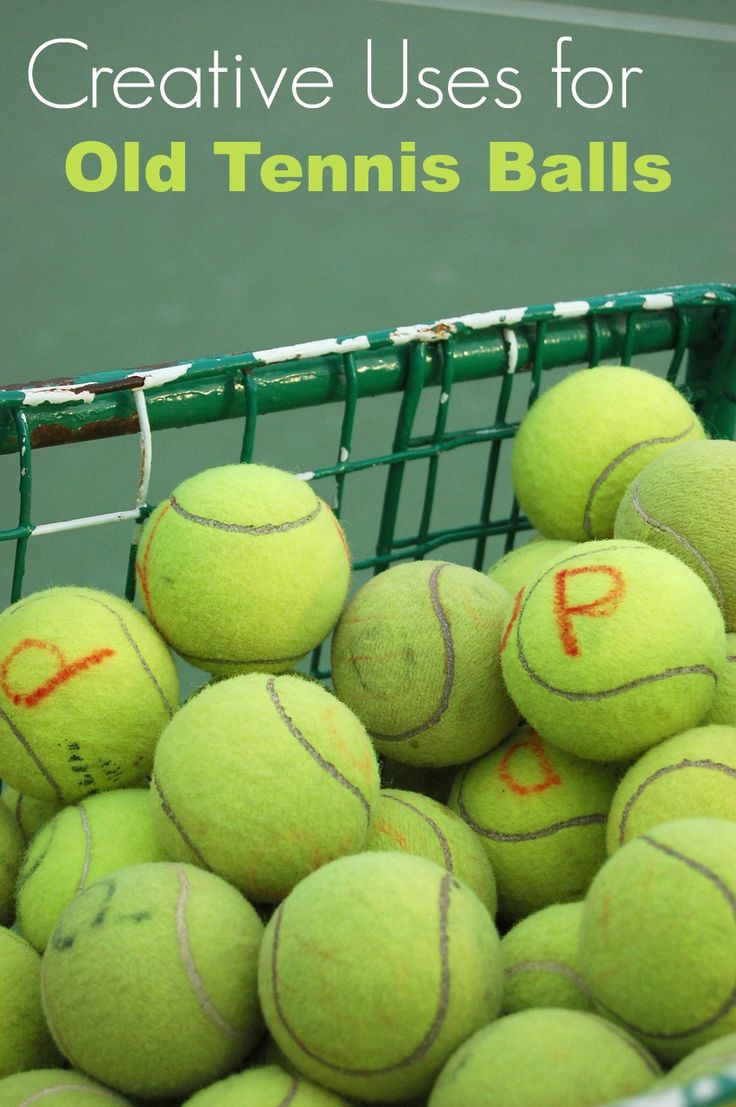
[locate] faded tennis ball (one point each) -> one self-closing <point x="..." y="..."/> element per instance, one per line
<point x="706" y="1061"/>
<point x="262" y="779"/>
<point x="614" y="647"/>
<point x="405" y="961"/>
<point x="79" y="846"/>
<point x="685" y="502"/>
<point x="11" y="852"/>
<point x="540" y="956"/>
<point x="25" y="1042"/>
<point x="149" y="980"/>
<point x="86" y="686"/>
<point x="243" y="568"/>
<point x="415" y="655"/>
<point x="417" y="824"/>
<point x="520" y="566"/>
<point x="265" y="1087"/>
<point x="658" y="935"/>
<point x="541" y="816"/>
<point x="723" y="708"/>
<point x="570" y="1058"/>
<point x="57" y="1088"/>
<point x="583" y="442"/>
<point x="691" y="775"/>
<point x="29" y="813"/>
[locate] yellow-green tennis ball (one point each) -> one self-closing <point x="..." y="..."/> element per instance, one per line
<point x="685" y="502"/>
<point x="243" y="568"/>
<point x="658" y="935"/>
<point x="541" y="815"/>
<point x="415" y="655"/>
<point x="689" y="776"/>
<point x="374" y="970"/>
<point x="552" y="1056"/>
<point x="25" y="1042"/>
<point x="86" y="686"/>
<point x="269" y="1086"/>
<point x="522" y="565"/>
<point x="614" y="647"/>
<point x="11" y="852"/>
<point x="29" y="813"/>
<point x="79" y="846"/>
<point x="417" y="824"/>
<point x="723" y="708"/>
<point x="584" y="441"/>
<point x="540" y="957"/>
<point x="709" y="1060"/>
<point x="56" y="1088"/>
<point x="149" y="980"/>
<point x="262" y="779"/>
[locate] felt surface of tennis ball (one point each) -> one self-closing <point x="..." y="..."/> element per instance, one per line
<point x="541" y="815"/>
<point x="371" y="1001"/>
<point x="243" y="568"/>
<point x="56" y="1088"/>
<point x="86" y="686"/>
<point x="25" y="1042"/>
<point x="723" y="708"/>
<point x="416" y="656"/>
<point x="584" y="441"/>
<point x="29" y="813"/>
<point x="521" y="565"/>
<point x="11" y="853"/>
<point x="262" y="779"/>
<point x="689" y="776"/>
<point x="149" y="980"/>
<point x="421" y="826"/>
<point x="269" y="1086"/>
<point x="685" y="502"/>
<point x="658" y="936"/>
<point x="540" y="957"/>
<point x="552" y="1056"/>
<point x="614" y="647"/>
<point x="79" y="846"/>
<point x="708" y="1060"/>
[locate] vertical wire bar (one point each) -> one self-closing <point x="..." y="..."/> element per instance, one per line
<point x="25" y="486"/>
<point x="629" y="338"/>
<point x="512" y="357"/>
<point x="145" y="464"/>
<point x="410" y="401"/>
<point x="445" y="351"/>
<point x="251" y="416"/>
<point x="537" y="368"/>
<point x="683" y="337"/>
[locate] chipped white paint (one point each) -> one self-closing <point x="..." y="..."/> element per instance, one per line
<point x="344" y="455"/>
<point x="444" y="397"/>
<point x="313" y="349"/>
<point x="512" y="344"/>
<point x="33" y="397"/>
<point x="609" y="304"/>
<point x="443" y="328"/>
<point x="658" y="301"/>
<point x="89" y="521"/>
<point x="710" y="296"/>
<point x="308" y="475"/>
<point x="571" y="309"/>
<point x="145" y="459"/>
<point x="154" y="378"/>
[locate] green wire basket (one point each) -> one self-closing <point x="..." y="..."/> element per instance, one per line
<point x="689" y="331"/>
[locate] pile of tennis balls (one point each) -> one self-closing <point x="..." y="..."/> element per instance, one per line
<point x="276" y="895"/>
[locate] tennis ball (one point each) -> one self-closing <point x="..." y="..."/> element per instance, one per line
<point x="262" y="779"/>
<point x="416" y="824"/>
<point x="706" y="1061"/>
<point x="685" y="502"/>
<point x="265" y="1087"/>
<point x="690" y="775"/>
<point x="541" y="815"/>
<point x="11" y="852"/>
<point x="29" y="813"/>
<point x="520" y="566"/>
<point x="540" y="956"/>
<point x="585" y="440"/>
<point x="149" y="980"/>
<point x="723" y="708"/>
<point x="86" y="686"/>
<point x="415" y="655"/>
<point x="243" y="568"/>
<point x="56" y="1088"/>
<point x="371" y="1001"/>
<point x="658" y="935"/>
<point x="79" y="846"/>
<point x="25" y="1042"/>
<point x="614" y="647"/>
<point x="558" y="1057"/>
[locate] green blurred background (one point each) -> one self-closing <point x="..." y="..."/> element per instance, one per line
<point x="102" y="281"/>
